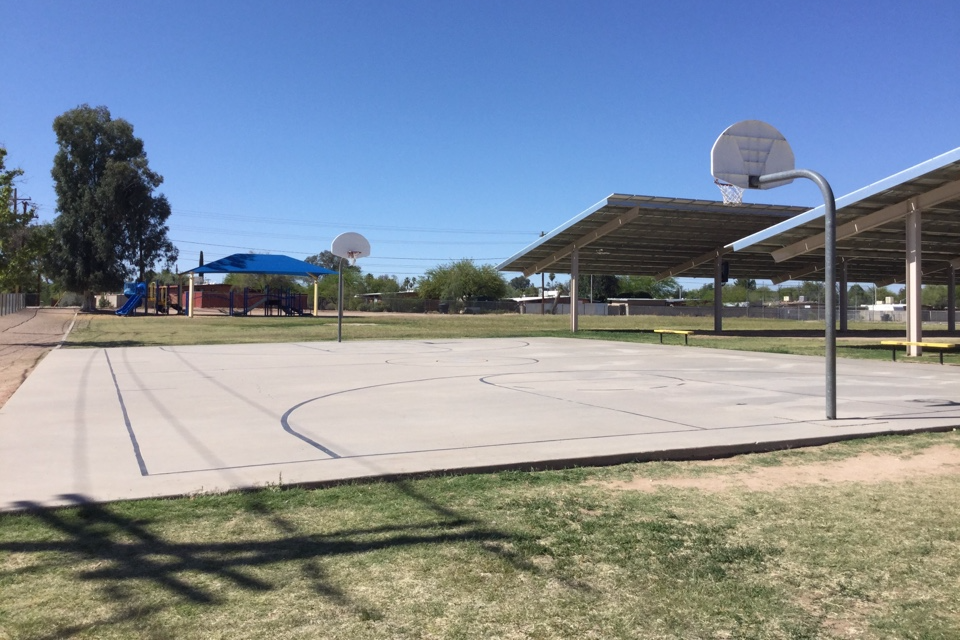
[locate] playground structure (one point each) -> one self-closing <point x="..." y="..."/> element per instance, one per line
<point x="283" y="302"/>
<point x="157" y="299"/>
<point x="224" y="300"/>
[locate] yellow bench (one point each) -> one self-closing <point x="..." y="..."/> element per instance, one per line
<point x="680" y="332"/>
<point x="939" y="346"/>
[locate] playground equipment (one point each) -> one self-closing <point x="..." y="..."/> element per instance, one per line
<point x="136" y="291"/>
<point x="284" y="302"/>
<point x="169" y="297"/>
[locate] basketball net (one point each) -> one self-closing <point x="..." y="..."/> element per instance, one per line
<point x="352" y="257"/>
<point x="732" y="194"/>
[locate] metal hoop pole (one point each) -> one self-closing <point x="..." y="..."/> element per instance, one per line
<point x="830" y="272"/>
<point x="340" y="303"/>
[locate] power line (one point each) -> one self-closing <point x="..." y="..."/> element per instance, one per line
<point x="309" y="253"/>
<point x="337" y="224"/>
<point x="285" y="236"/>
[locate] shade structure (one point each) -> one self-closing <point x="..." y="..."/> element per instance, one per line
<point x="653" y="236"/>
<point x="263" y="263"/>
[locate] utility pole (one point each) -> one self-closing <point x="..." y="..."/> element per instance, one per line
<point x="23" y="200"/>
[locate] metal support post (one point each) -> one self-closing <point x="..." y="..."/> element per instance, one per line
<point x="574" y="276"/>
<point x="952" y="299"/>
<point x="914" y="296"/>
<point x="844" y="311"/>
<point x="718" y="294"/>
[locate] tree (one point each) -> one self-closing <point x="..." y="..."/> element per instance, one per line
<point x="646" y="287"/>
<point x="520" y="284"/>
<point x="856" y="296"/>
<point x="263" y="282"/>
<point x="602" y="287"/>
<point x="879" y="295"/>
<point x="23" y="244"/>
<point x="110" y="223"/>
<point x="329" y="260"/>
<point x="380" y="284"/>
<point x="353" y="282"/>
<point x="462" y="281"/>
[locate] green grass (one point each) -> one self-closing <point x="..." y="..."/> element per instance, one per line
<point x="511" y="555"/>
<point x="744" y="334"/>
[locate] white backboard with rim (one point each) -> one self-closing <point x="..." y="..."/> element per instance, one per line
<point x="750" y="148"/>
<point x="350" y="245"/>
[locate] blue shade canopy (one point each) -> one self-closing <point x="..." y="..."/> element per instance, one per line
<point x="262" y="263"/>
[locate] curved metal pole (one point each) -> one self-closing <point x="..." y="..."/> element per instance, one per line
<point x="830" y="271"/>
<point x="340" y="302"/>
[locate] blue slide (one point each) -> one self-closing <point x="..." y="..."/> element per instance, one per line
<point x="134" y="301"/>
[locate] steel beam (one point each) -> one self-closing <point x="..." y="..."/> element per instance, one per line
<point x="695" y="262"/>
<point x="871" y="221"/>
<point x="585" y="240"/>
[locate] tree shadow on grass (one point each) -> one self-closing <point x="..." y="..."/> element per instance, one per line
<point x="116" y="549"/>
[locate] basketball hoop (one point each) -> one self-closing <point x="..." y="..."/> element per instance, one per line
<point x="732" y="194"/>
<point x="349" y="246"/>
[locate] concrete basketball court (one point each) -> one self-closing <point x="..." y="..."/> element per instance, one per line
<point x="123" y="423"/>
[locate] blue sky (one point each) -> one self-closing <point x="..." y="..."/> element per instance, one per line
<point x="462" y="129"/>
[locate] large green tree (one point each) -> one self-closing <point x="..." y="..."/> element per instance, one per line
<point x="462" y="280"/>
<point x="111" y="224"/>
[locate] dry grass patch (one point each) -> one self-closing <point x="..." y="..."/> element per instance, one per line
<point x="868" y="468"/>
<point x="565" y="554"/>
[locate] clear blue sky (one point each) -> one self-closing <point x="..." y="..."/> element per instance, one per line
<point x="462" y="129"/>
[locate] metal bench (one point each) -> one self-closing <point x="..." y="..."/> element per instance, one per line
<point x="686" y="333"/>
<point x="939" y="346"/>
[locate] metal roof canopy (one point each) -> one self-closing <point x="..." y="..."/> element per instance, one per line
<point x="871" y="226"/>
<point x="263" y="263"/>
<point x="654" y="236"/>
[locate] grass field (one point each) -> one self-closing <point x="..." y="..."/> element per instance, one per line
<point x="568" y="554"/>
<point x="745" y="334"/>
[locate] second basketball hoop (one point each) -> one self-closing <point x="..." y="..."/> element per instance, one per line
<point x="347" y="246"/>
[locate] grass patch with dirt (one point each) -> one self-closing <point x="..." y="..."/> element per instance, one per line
<point x="561" y="554"/>
<point x="744" y="334"/>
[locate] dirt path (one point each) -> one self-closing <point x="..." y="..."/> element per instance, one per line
<point x="25" y="338"/>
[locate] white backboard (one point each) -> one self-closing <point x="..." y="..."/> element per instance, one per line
<point x="750" y="148"/>
<point x="350" y="245"/>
